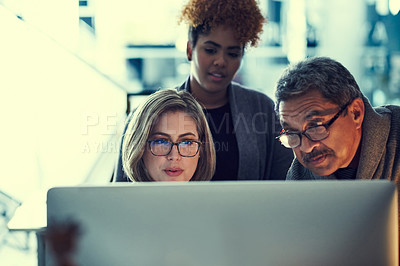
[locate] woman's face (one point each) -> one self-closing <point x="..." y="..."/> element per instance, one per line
<point x="172" y="127"/>
<point x="216" y="58"/>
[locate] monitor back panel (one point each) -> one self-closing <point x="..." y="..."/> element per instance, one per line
<point x="231" y="223"/>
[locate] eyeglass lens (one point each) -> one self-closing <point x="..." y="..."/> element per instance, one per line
<point x="163" y="147"/>
<point x="315" y="134"/>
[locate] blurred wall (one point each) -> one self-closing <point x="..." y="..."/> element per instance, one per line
<point x="59" y="115"/>
<point x="343" y="32"/>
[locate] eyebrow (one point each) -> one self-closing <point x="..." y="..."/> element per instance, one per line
<point x="310" y="116"/>
<point x="235" y="47"/>
<point x="169" y="136"/>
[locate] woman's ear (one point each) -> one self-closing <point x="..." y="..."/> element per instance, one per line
<point x="357" y="111"/>
<point x="189" y="51"/>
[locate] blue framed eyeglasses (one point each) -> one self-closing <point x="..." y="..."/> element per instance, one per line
<point x="187" y="148"/>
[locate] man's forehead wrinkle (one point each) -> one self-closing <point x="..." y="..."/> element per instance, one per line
<point x="297" y="105"/>
<point x="293" y="113"/>
<point x="307" y="110"/>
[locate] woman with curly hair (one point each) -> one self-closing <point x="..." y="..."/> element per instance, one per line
<point x="242" y="121"/>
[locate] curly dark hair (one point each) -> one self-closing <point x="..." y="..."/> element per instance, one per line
<point x="244" y="16"/>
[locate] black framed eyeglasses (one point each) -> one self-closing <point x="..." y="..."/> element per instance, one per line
<point x="187" y="148"/>
<point x="316" y="133"/>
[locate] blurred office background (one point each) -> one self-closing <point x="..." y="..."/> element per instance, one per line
<point x="70" y="70"/>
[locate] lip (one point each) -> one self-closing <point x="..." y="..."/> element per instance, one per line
<point x="216" y="76"/>
<point x="318" y="159"/>
<point x="173" y="171"/>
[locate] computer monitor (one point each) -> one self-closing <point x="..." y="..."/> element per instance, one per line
<point x="231" y="223"/>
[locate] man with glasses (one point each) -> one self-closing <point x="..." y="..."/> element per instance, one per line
<point x="332" y="128"/>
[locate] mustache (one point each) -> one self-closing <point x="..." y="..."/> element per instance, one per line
<point x="315" y="153"/>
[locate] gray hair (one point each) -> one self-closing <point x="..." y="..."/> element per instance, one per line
<point x="323" y="74"/>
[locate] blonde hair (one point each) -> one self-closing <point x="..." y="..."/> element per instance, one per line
<point x="145" y="118"/>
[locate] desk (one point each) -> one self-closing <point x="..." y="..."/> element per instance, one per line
<point x="31" y="217"/>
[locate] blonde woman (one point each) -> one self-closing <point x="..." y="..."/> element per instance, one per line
<point x="168" y="139"/>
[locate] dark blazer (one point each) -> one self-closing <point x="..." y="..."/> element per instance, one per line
<point x="256" y="125"/>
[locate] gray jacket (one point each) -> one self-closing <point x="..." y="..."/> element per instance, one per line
<point x="261" y="156"/>
<point x="380" y="149"/>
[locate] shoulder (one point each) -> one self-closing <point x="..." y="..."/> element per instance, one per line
<point x="394" y="119"/>
<point x="383" y="121"/>
<point x="391" y="111"/>
<point x="298" y="172"/>
<point x="394" y="109"/>
<point x="185" y="86"/>
<point x="243" y="93"/>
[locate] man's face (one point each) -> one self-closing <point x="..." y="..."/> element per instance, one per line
<point x="325" y="156"/>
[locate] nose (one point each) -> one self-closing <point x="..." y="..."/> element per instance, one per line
<point x="174" y="154"/>
<point x="219" y="59"/>
<point x="307" y="145"/>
